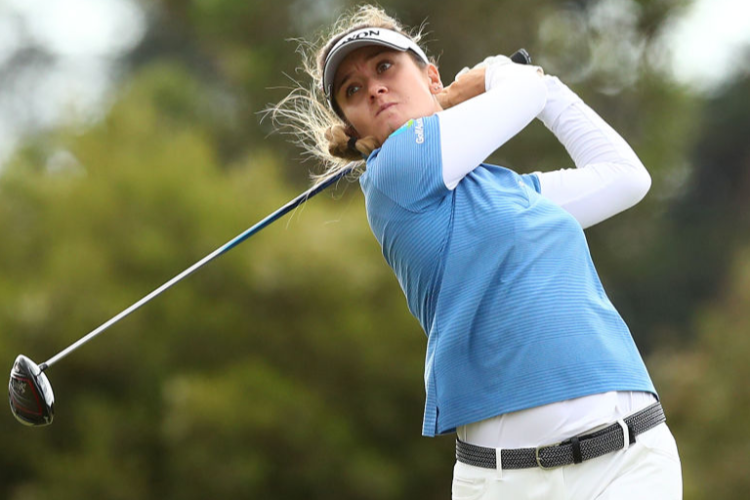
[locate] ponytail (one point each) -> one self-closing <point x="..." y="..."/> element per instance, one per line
<point x="348" y="147"/>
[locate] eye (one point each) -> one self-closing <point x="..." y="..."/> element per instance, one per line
<point x="351" y="89"/>
<point x="383" y="66"/>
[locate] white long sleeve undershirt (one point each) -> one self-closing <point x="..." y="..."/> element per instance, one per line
<point x="471" y="131"/>
<point x="609" y="177"/>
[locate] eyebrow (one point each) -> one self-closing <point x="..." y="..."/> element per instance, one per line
<point x="368" y="58"/>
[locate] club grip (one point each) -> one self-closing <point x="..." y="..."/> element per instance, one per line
<point x="521" y="56"/>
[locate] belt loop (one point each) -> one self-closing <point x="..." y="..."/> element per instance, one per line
<point x="576" y="446"/>
<point x="625" y="434"/>
<point x="499" y="462"/>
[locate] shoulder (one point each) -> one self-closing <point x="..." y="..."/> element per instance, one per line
<point x="408" y="167"/>
<point x="414" y="145"/>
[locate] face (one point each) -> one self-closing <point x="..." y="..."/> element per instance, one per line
<point x="380" y="89"/>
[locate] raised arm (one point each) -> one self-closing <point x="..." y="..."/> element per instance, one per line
<point x="509" y="97"/>
<point x="609" y="177"/>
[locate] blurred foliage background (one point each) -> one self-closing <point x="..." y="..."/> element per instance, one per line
<point x="290" y="368"/>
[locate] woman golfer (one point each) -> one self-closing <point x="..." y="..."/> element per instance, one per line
<point x="527" y="361"/>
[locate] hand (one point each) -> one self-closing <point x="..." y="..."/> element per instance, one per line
<point x="468" y="84"/>
<point x="497" y="73"/>
<point x="472" y="82"/>
<point x="497" y="60"/>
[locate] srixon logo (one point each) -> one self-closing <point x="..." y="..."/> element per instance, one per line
<point x="363" y="34"/>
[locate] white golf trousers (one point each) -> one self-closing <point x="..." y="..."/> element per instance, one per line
<point x="647" y="470"/>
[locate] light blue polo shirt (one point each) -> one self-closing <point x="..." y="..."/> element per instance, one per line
<point x="502" y="282"/>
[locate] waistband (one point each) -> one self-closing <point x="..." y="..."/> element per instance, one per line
<point x="575" y="450"/>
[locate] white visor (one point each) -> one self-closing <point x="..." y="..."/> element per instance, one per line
<point x="363" y="38"/>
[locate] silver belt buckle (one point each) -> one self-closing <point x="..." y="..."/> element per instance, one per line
<point x="538" y="459"/>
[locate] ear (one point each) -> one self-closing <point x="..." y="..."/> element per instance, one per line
<point x="433" y="76"/>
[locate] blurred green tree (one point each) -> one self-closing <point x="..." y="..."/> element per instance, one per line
<point x="706" y="391"/>
<point x="609" y="51"/>
<point x="290" y="368"/>
<point x="706" y="221"/>
<point x="272" y="371"/>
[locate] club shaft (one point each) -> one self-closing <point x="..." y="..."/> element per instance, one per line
<point x="291" y="205"/>
<point x="520" y="56"/>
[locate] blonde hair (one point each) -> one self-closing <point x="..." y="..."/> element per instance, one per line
<point x="304" y="113"/>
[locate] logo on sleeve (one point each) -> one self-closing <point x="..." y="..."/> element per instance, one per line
<point x="419" y="130"/>
<point x="418" y="125"/>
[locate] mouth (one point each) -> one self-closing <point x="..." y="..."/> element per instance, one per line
<point x="385" y="106"/>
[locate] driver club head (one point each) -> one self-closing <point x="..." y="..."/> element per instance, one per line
<point x="30" y="393"/>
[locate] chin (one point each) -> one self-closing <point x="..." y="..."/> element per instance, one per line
<point x="394" y="123"/>
<point x="389" y="130"/>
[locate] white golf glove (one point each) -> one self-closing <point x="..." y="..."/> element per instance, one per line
<point x="500" y="67"/>
<point x="499" y="60"/>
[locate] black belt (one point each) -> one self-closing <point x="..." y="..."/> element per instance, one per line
<point x="571" y="451"/>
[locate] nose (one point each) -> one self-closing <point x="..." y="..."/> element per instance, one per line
<point x="377" y="88"/>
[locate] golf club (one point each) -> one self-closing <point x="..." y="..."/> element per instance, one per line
<point x="29" y="390"/>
